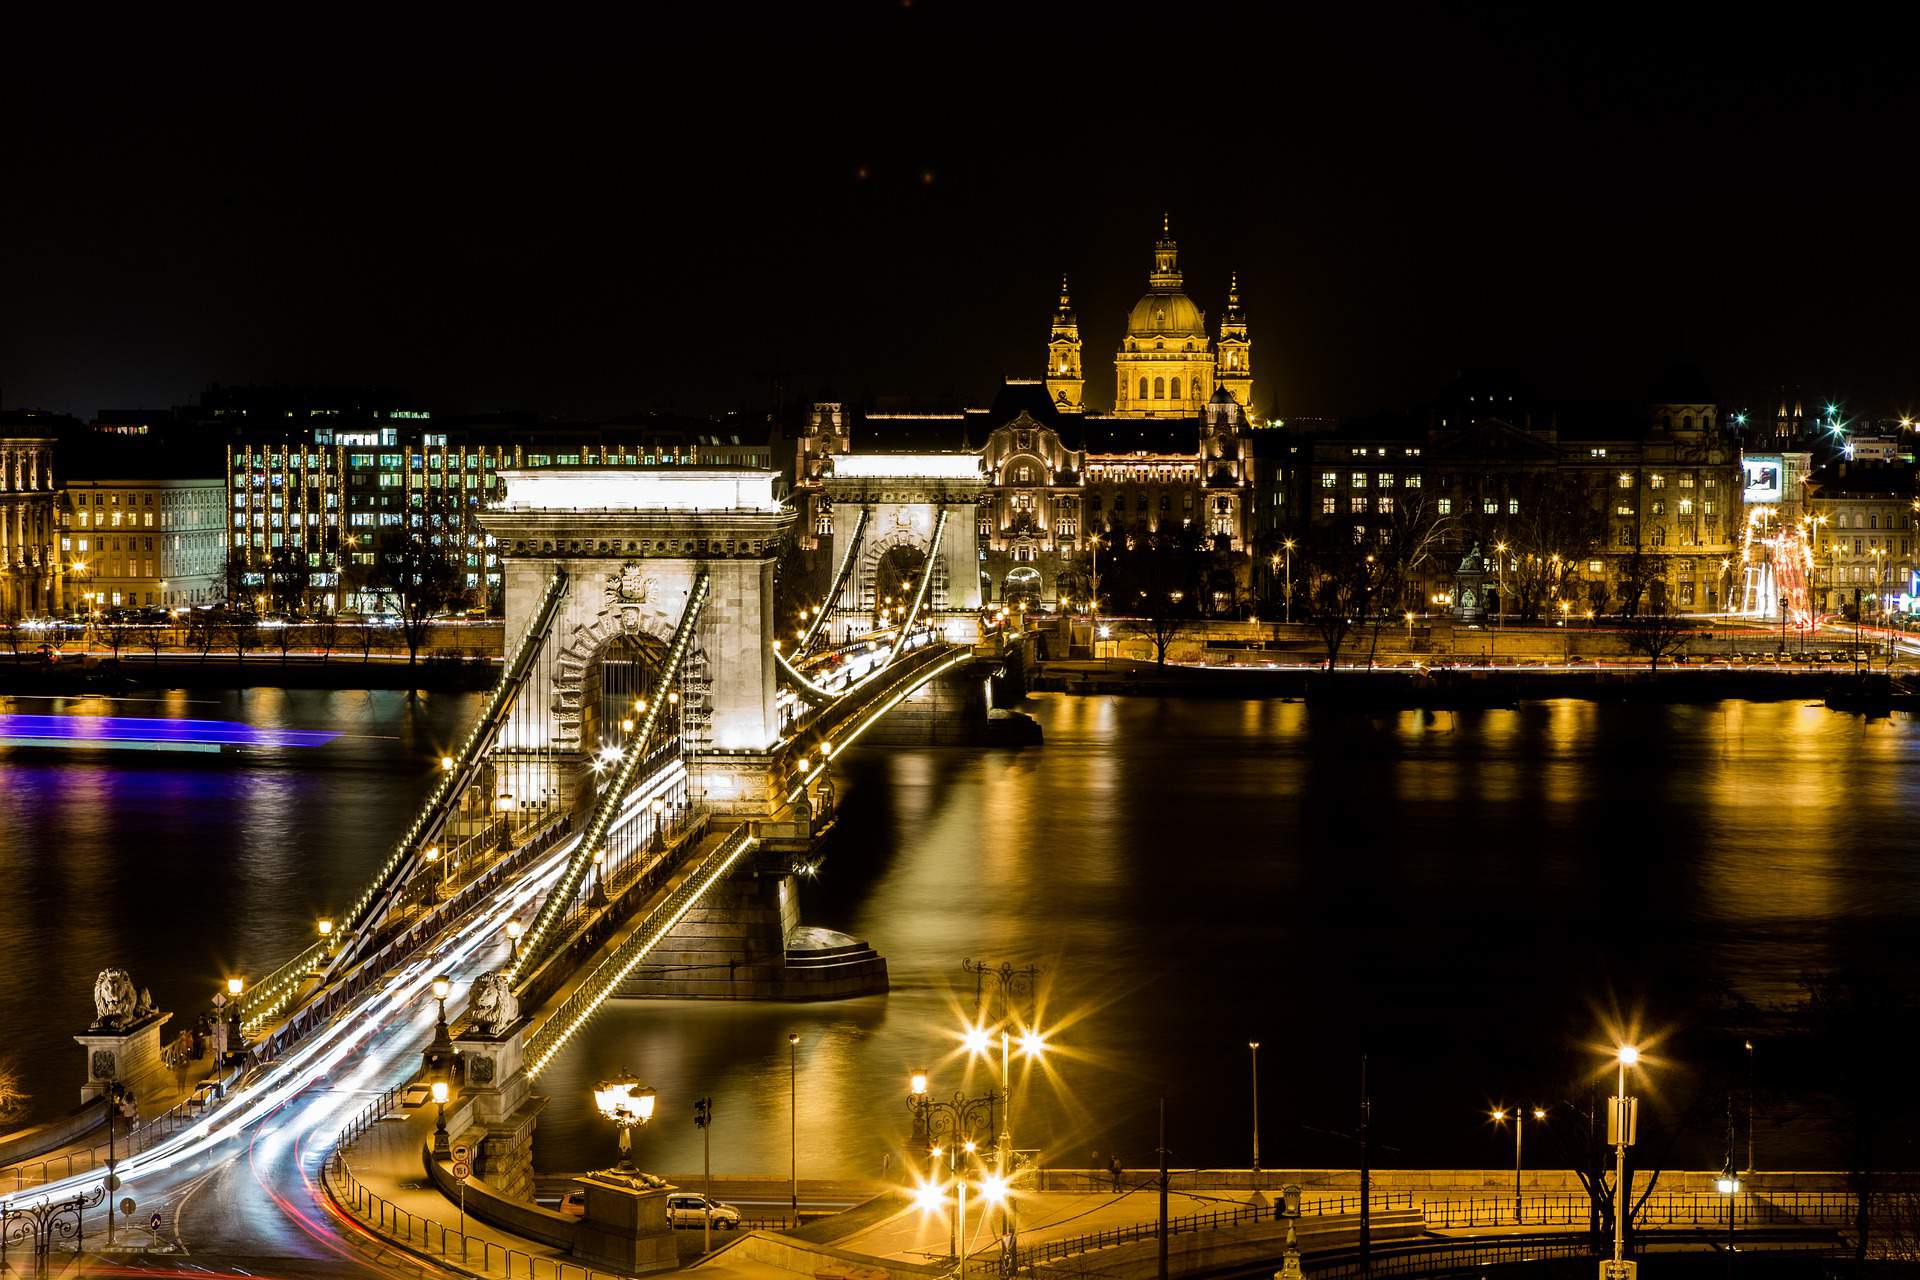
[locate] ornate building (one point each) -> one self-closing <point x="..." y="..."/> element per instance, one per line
<point x="30" y="571"/>
<point x="1167" y="366"/>
<point x="1177" y="449"/>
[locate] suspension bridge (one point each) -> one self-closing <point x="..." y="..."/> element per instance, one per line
<point x="648" y="739"/>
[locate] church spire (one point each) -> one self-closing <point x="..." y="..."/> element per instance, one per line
<point x="1064" y="380"/>
<point x="1166" y="258"/>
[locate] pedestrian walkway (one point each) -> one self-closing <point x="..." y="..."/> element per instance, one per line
<point x="379" y="1181"/>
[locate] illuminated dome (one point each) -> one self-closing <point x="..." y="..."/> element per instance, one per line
<point x="1166" y="313"/>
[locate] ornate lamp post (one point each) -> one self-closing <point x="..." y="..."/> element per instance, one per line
<point x="945" y="1128"/>
<point x="627" y="1103"/>
<point x="440" y="1055"/>
<point x="659" y="807"/>
<point x="442" y="1148"/>
<point x="1519" y="1136"/>
<point x="236" y="1039"/>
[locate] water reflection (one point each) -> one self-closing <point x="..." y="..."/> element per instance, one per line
<point x="1455" y="892"/>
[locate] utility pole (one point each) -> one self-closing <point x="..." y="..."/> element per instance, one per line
<point x="1163" y="1189"/>
<point x="703" y="1117"/>
<point x="1366" y="1173"/>
<point x="1750" y="1165"/>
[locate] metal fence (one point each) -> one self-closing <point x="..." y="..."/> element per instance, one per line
<point x="1690" y="1209"/>
<point x="430" y="1236"/>
<point x="1214" y="1220"/>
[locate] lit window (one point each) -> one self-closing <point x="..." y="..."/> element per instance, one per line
<point x="1358" y="480"/>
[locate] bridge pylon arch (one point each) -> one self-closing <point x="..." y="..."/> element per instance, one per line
<point x="901" y="496"/>
<point x="633" y="543"/>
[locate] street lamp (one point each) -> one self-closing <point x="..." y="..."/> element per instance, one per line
<point x="1253" y="1050"/>
<point x="514" y="930"/>
<point x="442" y="1148"/>
<point x="1519" y="1134"/>
<point x="1728" y="1185"/>
<point x="1622" y="1121"/>
<point x="793" y="1121"/>
<point x="627" y="1103"/>
<point x="944" y="1128"/>
<point x="1286" y="545"/>
<point x="659" y="807"/>
<point x="236" y="1040"/>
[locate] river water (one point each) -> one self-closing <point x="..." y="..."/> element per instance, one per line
<point x="1475" y="900"/>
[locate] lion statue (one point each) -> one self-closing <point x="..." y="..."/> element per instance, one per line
<point x="491" y="1005"/>
<point x="115" y="1001"/>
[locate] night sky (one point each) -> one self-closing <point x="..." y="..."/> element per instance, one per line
<point x="878" y="200"/>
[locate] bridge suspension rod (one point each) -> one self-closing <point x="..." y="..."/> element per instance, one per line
<point x="540" y="936"/>
<point x="454" y="780"/>
<point x="920" y="594"/>
<point x="553" y="1034"/>
<point x="839" y="583"/>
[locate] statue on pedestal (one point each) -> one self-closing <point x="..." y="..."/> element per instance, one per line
<point x="115" y="1002"/>
<point x="491" y="1005"/>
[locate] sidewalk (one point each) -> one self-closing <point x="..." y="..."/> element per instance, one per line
<point x="385" y="1191"/>
<point x="394" y="1201"/>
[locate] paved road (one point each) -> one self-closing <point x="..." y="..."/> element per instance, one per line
<point x="240" y="1190"/>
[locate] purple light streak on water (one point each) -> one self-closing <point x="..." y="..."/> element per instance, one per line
<point x="80" y="730"/>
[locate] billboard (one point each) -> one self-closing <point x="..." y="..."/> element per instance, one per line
<point x="1765" y="477"/>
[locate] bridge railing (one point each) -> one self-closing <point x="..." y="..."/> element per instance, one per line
<point x="1212" y="1220"/>
<point x="427" y="1235"/>
<point x="374" y="967"/>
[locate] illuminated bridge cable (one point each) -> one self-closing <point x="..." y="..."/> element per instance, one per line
<point x="806" y="688"/>
<point x="607" y="976"/>
<point x="920" y="594"/>
<point x="847" y="561"/>
<point x="539" y="938"/>
<point x="394" y="872"/>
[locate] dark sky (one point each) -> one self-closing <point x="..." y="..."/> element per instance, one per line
<point x="582" y="218"/>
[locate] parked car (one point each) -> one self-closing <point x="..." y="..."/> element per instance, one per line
<point x="688" y="1210"/>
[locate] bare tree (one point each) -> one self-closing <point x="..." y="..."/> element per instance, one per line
<point x="13" y="1098"/>
<point x="1342" y="578"/>
<point x="284" y="634"/>
<point x="1658" y="633"/>
<point x="115" y="631"/>
<point x="242" y="631"/>
<point x="326" y="632"/>
<point x="155" y="634"/>
<point x="286" y="580"/>
<point x="203" y="631"/>
<point x="419" y="578"/>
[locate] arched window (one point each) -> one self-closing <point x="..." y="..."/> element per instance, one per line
<point x="1159" y="388"/>
<point x="1143" y="388"/>
<point x="1175" y="386"/>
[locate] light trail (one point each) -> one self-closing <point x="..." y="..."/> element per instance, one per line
<point x="397" y="1001"/>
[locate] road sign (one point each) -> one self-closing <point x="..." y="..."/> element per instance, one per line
<point x="460" y="1170"/>
<point x="113" y="1182"/>
<point x="127" y="1207"/>
<point x="1611" y="1270"/>
<point x="461" y="1151"/>
<point x="153" y="1224"/>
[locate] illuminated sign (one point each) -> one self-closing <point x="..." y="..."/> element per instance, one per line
<point x="1765" y="477"/>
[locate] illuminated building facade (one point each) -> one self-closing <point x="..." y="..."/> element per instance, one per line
<point x="1167" y="365"/>
<point x="30" y="569"/>
<point x="144" y="541"/>
<point x="322" y="484"/>
<point x="1863" y="524"/>
<point x="1641" y="505"/>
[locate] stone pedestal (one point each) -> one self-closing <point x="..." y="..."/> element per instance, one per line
<point x="122" y="1054"/>
<point x="497" y="1111"/>
<point x="626" y="1226"/>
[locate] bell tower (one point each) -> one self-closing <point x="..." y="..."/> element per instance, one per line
<point x="1064" y="380"/>
<point x="1234" y="359"/>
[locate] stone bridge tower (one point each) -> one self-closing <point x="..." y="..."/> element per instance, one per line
<point x="633" y="543"/>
